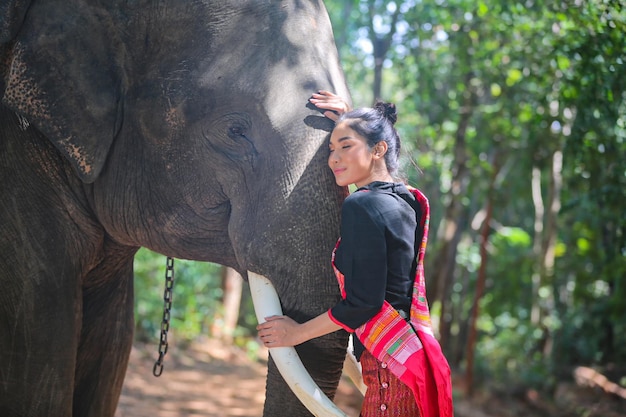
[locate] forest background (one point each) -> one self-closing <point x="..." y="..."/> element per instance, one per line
<point x="513" y="121"/>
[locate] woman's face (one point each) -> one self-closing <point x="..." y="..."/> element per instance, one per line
<point x="350" y="158"/>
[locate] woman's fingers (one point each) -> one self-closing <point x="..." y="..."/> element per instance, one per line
<point x="329" y="101"/>
<point x="331" y="115"/>
<point x="276" y="331"/>
<point x="268" y="330"/>
<point x="268" y="322"/>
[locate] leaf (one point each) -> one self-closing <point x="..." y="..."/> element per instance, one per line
<point x="496" y="90"/>
<point x="513" y="76"/>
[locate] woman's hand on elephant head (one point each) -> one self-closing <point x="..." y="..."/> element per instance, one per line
<point x="335" y="104"/>
<point x="279" y="331"/>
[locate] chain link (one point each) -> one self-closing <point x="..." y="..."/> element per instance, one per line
<point x="157" y="370"/>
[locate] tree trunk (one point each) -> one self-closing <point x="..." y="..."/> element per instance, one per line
<point x="535" y="310"/>
<point x="452" y="225"/>
<point x="550" y="238"/>
<point x="480" y="281"/>
<point x="545" y="243"/>
<point x="381" y="45"/>
<point x="232" y="284"/>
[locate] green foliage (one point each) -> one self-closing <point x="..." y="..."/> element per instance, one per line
<point x="196" y="299"/>
<point x="506" y="87"/>
<point x="507" y="354"/>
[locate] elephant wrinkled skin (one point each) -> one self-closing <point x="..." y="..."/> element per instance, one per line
<point x="179" y="126"/>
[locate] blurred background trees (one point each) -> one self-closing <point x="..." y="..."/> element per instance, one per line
<point x="513" y="119"/>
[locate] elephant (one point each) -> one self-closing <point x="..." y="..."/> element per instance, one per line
<point x="179" y="126"/>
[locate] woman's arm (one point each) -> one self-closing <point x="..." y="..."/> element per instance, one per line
<point x="280" y="331"/>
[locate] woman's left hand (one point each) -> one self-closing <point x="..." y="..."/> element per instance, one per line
<point x="334" y="104"/>
<point x="279" y="331"/>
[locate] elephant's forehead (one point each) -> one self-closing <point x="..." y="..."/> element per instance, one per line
<point x="286" y="99"/>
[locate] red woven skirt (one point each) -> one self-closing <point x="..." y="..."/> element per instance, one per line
<point x="386" y="395"/>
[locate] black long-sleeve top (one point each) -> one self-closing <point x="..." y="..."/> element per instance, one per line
<point x="376" y="254"/>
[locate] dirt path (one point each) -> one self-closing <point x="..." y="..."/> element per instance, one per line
<point x="207" y="380"/>
<point x="213" y="380"/>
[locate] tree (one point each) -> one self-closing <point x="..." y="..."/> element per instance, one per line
<point x="543" y="86"/>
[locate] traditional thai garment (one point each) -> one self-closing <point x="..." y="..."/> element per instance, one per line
<point x="408" y="347"/>
<point x="386" y="395"/>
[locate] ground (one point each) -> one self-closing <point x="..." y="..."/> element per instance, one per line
<point x="207" y="379"/>
<point x="210" y="379"/>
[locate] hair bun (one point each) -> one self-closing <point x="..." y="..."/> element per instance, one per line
<point x="388" y="110"/>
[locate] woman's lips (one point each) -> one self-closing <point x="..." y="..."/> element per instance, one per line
<point x="338" y="171"/>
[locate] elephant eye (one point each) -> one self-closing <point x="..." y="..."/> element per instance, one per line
<point x="229" y="135"/>
<point x="236" y="131"/>
<point x="236" y="124"/>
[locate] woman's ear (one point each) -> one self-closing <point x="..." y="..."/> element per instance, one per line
<point x="380" y="149"/>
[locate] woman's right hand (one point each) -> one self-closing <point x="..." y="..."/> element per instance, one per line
<point x="335" y="104"/>
<point x="279" y="331"/>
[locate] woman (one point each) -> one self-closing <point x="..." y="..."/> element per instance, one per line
<point x="378" y="263"/>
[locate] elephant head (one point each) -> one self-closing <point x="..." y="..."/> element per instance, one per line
<point x="175" y="125"/>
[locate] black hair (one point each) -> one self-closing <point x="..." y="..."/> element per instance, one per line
<point x="375" y="125"/>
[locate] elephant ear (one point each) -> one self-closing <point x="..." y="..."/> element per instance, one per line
<point x="60" y="75"/>
<point x="12" y="14"/>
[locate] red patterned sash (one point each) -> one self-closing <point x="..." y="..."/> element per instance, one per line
<point x="410" y="350"/>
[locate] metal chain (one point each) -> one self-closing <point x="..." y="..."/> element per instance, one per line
<point x="157" y="370"/>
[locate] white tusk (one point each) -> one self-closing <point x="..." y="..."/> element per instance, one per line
<point x="266" y="303"/>
<point x="352" y="368"/>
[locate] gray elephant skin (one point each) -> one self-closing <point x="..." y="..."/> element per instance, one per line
<point x="180" y="126"/>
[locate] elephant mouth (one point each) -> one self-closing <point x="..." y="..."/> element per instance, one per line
<point x="267" y="303"/>
<point x="203" y="235"/>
